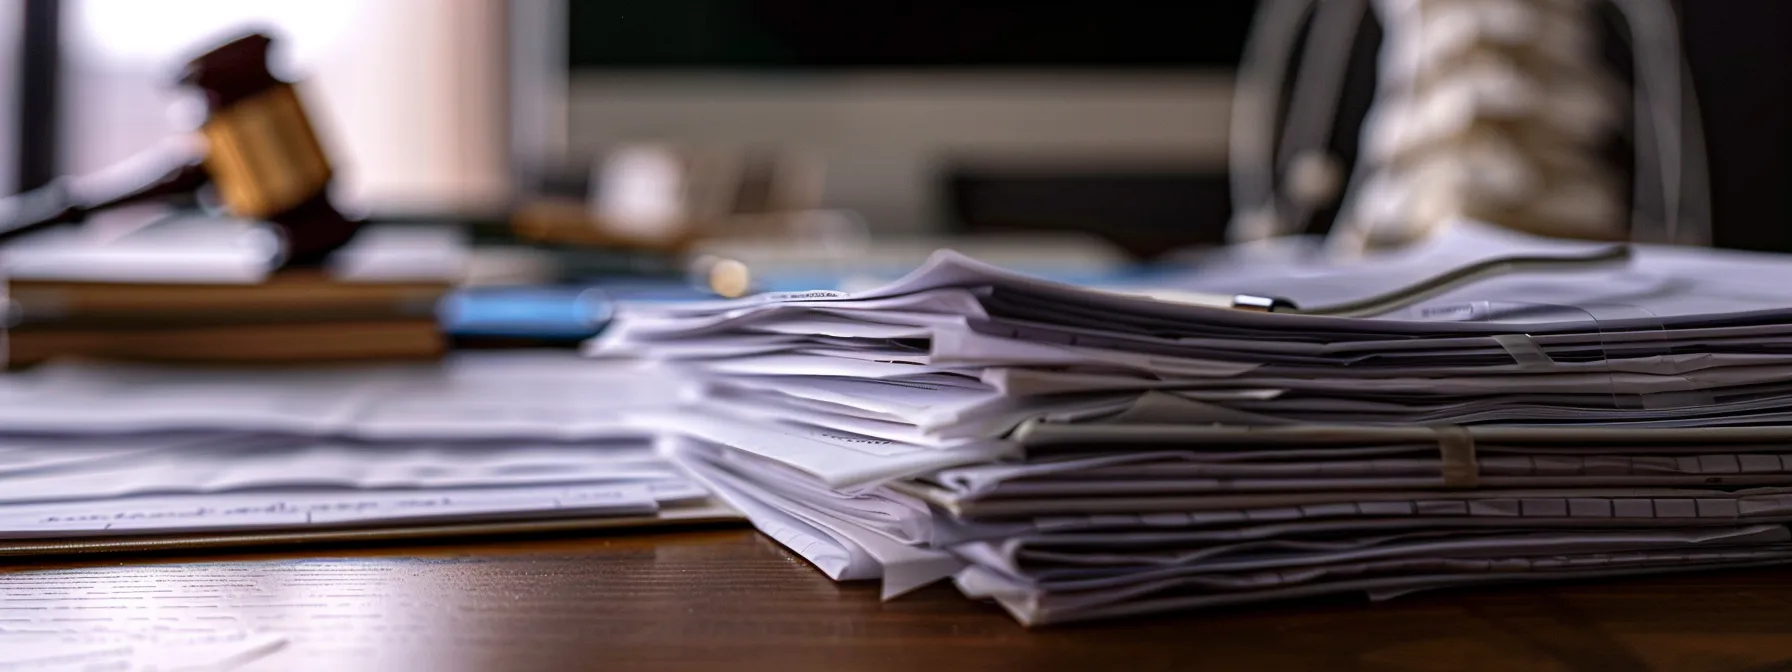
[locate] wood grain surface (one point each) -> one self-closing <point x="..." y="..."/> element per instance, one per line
<point x="730" y="599"/>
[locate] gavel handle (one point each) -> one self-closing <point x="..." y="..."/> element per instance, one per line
<point x="57" y="203"/>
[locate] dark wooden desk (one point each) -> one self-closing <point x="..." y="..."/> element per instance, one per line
<point x="730" y="599"/>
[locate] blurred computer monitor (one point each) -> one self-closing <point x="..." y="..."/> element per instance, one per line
<point x="928" y="114"/>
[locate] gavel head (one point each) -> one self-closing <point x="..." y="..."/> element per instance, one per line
<point x="262" y="153"/>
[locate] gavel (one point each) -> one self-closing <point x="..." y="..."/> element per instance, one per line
<point x="261" y="156"/>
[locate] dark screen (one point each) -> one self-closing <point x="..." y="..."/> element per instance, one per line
<point x="844" y="34"/>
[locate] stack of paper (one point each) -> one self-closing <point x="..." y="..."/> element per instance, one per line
<point x="91" y="453"/>
<point x="1078" y="453"/>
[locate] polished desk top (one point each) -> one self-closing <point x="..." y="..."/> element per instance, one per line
<point x="731" y="599"/>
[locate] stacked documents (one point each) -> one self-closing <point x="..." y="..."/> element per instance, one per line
<point x="93" y="454"/>
<point x="1072" y="453"/>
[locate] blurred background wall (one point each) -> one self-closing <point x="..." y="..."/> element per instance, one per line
<point x="407" y="91"/>
<point x="892" y="140"/>
<point x="931" y="115"/>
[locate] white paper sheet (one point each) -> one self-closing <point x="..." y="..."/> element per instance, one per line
<point x="902" y="518"/>
<point x="262" y="462"/>
<point x="499" y="396"/>
<point x="1591" y="502"/>
<point x="1065" y="571"/>
<point x="685" y="317"/>
<point x="263" y="510"/>
<point x="840" y="460"/>
<point x="995" y="419"/>
<point x="835" y="555"/>
<point x="902" y="567"/>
